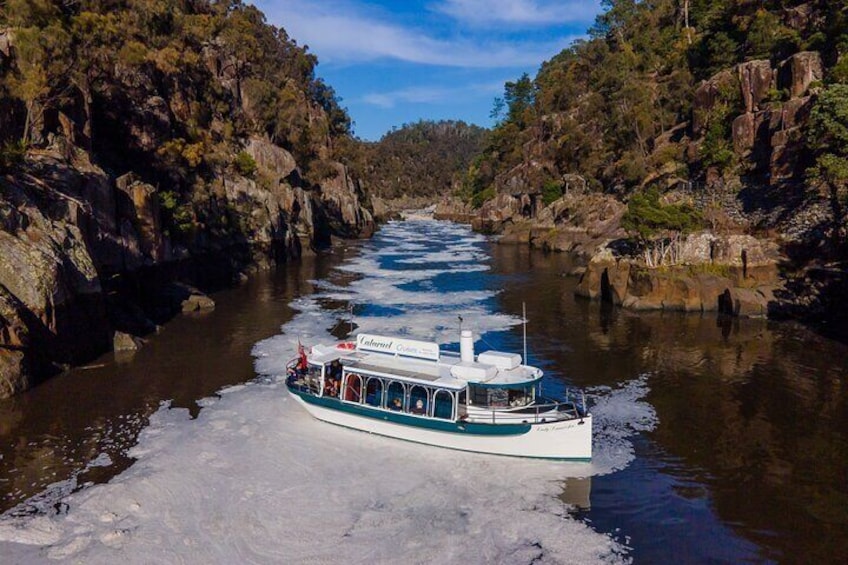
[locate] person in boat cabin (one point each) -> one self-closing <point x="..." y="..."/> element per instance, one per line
<point x="419" y="407"/>
<point x="333" y="379"/>
<point x="331" y="387"/>
<point x="396" y="405"/>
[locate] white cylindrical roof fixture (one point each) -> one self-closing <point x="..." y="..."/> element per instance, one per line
<point x="466" y="346"/>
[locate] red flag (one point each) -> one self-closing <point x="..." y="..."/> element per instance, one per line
<point x="302" y="353"/>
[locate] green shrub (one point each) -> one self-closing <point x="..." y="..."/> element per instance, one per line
<point x="551" y="191"/>
<point x="479" y="198"/>
<point x="178" y="215"/>
<point x="646" y="216"/>
<point x="244" y="164"/>
<point x="11" y="155"/>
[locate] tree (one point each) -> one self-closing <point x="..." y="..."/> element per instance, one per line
<point x="43" y="61"/>
<point x="519" y="97"/>
<point x="827" y="137"/>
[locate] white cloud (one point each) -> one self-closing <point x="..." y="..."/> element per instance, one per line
<point x="430" y="94"/>
<point x="342" y="32"/>
<point x="519" y="12"/>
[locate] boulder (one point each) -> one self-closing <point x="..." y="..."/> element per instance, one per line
<point x="799" y="17"/>
<point x="799" y="71"/>
<point x="786" y="152"/>
<point x="270" y="158"/>
<point x="743" y="133"/>
<point x="196" y="302"/>
<point x="756" y="78"/>
<point x="149" y="125"/>
<point x="125" y="342"/>
<point x="606" y="278"/>
<point x="744" y="303"/>
<point x="494" y="213"/>
<point x="454" y="210"/>
<point x="13" y="376"/>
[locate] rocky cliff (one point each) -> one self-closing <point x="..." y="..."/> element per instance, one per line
<point x="183" y="157"/>
<point x="735" y="119"/>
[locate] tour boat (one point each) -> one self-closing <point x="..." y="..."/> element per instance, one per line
<point x="412" y="390"/>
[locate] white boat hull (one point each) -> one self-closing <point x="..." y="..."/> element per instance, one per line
<point x="565" y="439"/>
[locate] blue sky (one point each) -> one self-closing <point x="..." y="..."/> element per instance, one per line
<point x="398" y="62"/>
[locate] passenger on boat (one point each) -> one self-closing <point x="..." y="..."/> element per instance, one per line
<point x="396" y="405"/>
<point x="331" y="387"/>
<point x="419" y="407"/>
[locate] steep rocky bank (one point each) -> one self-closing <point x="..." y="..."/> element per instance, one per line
<point x="183" y="162"/>
<point x="84" y="254"/>
<point x="738" y="127"/>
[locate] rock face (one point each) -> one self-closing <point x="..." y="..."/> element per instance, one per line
<point x="734" y="275"/>
<point x="755" y="80"/>
<point x="66" y="226"/>
<point x="156" y="173"/>
<point x="768" y="131"/>
<point x="799" y="71"/>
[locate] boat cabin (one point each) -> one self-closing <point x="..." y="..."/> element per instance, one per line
<point x="416" y="378"/>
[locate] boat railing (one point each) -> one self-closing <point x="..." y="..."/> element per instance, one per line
<point x="300" y="379"/>
<point x="546" y="410"/>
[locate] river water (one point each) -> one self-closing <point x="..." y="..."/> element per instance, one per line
<point x="716" y="440"/>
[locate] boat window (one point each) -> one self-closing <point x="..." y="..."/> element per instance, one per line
<point x="498" y="397"/>
<point x="521" y="396"/>
<point x="353" y="388"/>
<point x="502" y="397"/>
<point x="374" y="392"/>
<point x="313" y="378"/>
<point x="394" y="396"/>
<point x="419" y="400"/>
<point x="443" y="405"/>
<point x="478" y="395"/>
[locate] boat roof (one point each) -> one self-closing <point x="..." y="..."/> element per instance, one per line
<point x="444" y="369"/>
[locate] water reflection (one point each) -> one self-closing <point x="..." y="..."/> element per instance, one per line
<point x="577" y="493"/>
<point x="752" y="413"/>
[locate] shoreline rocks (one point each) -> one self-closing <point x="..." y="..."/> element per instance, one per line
<point x="735" y="275"/>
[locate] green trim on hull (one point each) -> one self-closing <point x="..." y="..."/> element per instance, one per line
<point x="469" y="428"/>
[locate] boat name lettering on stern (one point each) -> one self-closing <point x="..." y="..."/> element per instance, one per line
<point x="553" y="428"/>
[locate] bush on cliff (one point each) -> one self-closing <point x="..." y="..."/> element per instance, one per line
<point x="244" y="164"/>
<point x="648" y="217"/>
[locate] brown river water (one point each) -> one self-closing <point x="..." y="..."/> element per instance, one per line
<point x="748" y="463"/>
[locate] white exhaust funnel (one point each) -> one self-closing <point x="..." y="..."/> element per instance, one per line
<point x="466" y="346"/>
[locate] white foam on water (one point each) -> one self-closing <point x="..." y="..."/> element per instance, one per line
<point x="255" y="479"/>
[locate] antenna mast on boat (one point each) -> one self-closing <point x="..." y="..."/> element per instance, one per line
<point x="524" y="323"/>
<point x="350" y="307"/>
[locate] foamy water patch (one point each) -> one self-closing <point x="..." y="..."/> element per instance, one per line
<point x="619" y="413"/>
<point x="255" y="479"/>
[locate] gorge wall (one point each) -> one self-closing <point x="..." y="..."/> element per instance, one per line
<point x="728" y="123"/>
<point x="154" y="169"/>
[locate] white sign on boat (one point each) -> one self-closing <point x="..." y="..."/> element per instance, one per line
<point x="395" y="346"/>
